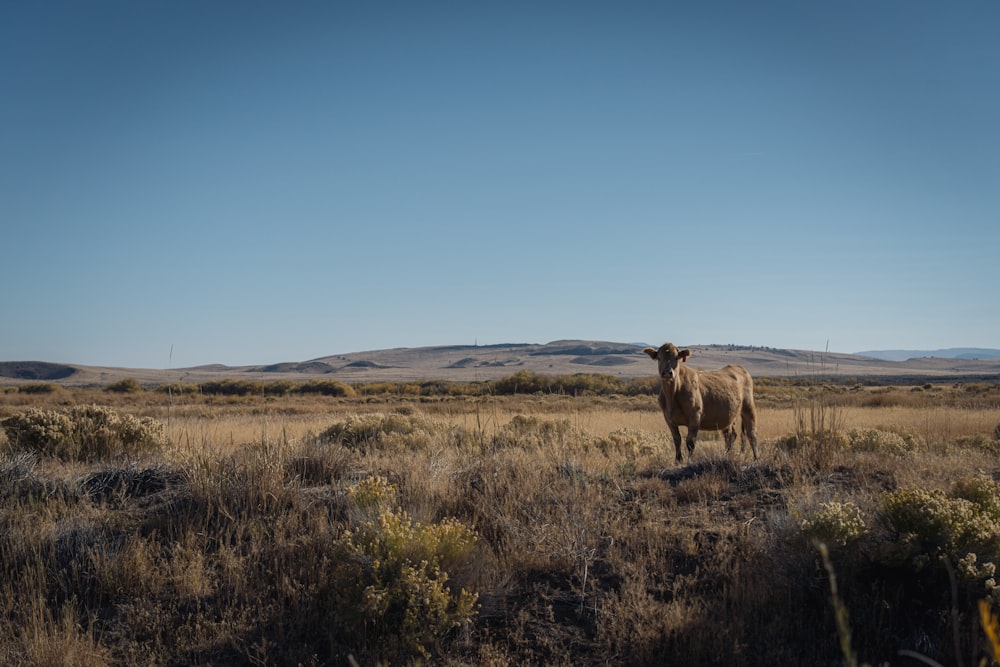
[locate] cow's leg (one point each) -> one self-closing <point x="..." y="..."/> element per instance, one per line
<point x="750" y="427"/>
<point x="692" y="437"/>
<point x="676" y="433"/>
<point x="729" y="435"/>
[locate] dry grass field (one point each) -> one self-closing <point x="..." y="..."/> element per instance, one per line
<point x="408" y="523"/>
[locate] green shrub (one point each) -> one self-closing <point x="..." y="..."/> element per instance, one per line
<point x="40" y="388"/>
<point x="326" y="388"/>
<point x="982" y="492"/>
<point x="84" y="433"/>
<point x="932" y="523"/>
<point x="834" y="523"/>
<point x="523" y="382"/>
<point x="446" y="388"/>
<point x="378" y="388"/>
<point x="178" y="388"/>
<point x="579" y="384"/>
<point x="583" y="384"/>
<point x="531" y="433"/>
<point x="390" y="588"/>
<point x="280" y="388"/>
<point x="232" y="387"/>
<point x="931" y="530"/>
<point x="125" y="386"/>
<point x="828" y="440"/>
<point x="388" y="431"/>
<point x="649" y="386"/>
<point x="891" y="441"/>
<point x="627" y="442"/>
<point x="101" y="432"/>
<point x="970" y="570"/>
<point x="978" y="441"/>
<point x="35" y="429"/>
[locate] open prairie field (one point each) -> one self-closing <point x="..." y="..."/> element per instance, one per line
<point x="543" y="523"/>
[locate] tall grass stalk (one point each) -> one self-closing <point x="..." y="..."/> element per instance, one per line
<point x="839" y="609"/>
<point x="817" y="418"/>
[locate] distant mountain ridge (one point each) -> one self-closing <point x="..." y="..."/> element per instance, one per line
<point x="476" y="363"/>
<point x="947" y="353"/>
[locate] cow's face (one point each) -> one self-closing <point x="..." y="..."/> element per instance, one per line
<point x="667" y="357"/>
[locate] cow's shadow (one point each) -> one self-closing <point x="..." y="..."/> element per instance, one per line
<point x="759" y="478"/>
<point x="715" y="466"/>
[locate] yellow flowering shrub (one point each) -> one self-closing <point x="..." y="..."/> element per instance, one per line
<point x="981" y="491"/>
<point x="939" y="524"/>
<point x="375" y="494"/>
<point x="835" y="523"/>
<point x="391" y="591"/>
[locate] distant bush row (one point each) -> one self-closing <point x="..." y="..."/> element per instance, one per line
<point x="579" y="384"/>
<point x="524" y="382"/>
<point x="582" y="384"/>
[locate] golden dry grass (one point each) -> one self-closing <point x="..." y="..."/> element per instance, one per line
<point x="236" y="543"/>
<point x="934" y="424"/>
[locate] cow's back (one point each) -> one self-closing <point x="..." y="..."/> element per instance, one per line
<point x="723" y="393"/>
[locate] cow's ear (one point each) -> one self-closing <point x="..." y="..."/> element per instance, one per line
<point x="684" y="354"/>
<point x="651" y="351"/>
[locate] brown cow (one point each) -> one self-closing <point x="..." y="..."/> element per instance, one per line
<point x="710" y="400"/>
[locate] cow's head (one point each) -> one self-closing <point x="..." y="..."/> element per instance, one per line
<point x="667" y="356"/>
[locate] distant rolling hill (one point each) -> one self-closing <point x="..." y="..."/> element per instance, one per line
<point x="949" y="353"/>
<point x="35" y="370"/>
<point x="470" y="363"/>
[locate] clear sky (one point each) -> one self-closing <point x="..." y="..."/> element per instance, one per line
<point x="253" y="182"/>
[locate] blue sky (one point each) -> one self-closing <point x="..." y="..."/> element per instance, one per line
<point x="249" y="182"/>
